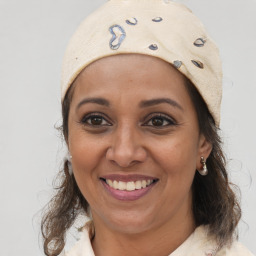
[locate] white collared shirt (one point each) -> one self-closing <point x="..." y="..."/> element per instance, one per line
<point x="197" y="244"/>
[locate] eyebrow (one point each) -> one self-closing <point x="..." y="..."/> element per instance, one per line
<point x="143" y="104"/>
<point x="149" y="103"/>
<point x="99" y="101"/>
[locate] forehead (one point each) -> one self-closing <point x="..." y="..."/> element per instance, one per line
<point x="142" y="70"/>
<point x="130" y="62"/>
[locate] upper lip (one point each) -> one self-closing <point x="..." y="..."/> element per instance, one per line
<point x="127" y="177"/>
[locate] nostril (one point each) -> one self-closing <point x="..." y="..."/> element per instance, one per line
<point x="126" y="151"/>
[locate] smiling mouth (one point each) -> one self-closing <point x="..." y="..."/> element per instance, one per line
<point x="130" y="185"/>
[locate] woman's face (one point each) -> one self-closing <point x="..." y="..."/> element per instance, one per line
<point x="135" y="143"/>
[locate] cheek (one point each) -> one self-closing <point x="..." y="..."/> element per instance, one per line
<point x="178" y="162"/>
<point x="177" y="158"/>
<point x="85" y="150"/>
<point x="86" y="156"/>
<point x="177" y="155"/>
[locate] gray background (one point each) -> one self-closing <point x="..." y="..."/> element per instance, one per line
<point x="33" y="36"/>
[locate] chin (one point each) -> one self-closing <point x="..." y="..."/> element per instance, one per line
<point x="128" y="222"/>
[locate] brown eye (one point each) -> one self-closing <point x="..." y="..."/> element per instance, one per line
<point x="157" y="121"/>
<point x="95" y="120"/>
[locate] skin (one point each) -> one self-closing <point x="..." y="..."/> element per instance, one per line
<point x="126" y="140"/>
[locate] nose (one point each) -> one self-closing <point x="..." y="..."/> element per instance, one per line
<point x="126" y="148"/>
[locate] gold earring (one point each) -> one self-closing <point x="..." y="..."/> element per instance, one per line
<point x="204" y="170"/>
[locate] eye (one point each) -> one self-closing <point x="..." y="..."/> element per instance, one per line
<point x="95" y="120"/>
<point x="159" y="120"/>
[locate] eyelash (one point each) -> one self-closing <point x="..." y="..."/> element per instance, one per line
<point x="170" y="121"/>
<point x="150" y="118"/>
<point x="85" y="119"/>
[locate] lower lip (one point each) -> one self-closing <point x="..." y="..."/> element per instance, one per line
<point x="124" y="195"/>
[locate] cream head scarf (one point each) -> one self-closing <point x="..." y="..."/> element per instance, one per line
<point x="159" y="28"/>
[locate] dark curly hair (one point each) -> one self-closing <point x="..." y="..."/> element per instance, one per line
<point x="214" y="202"/>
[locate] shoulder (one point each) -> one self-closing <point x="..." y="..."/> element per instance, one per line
<point x="82" y="247"/>
<point x="198" y="244"/>
<point x="201" y="244"/>
<point x="236" y="249"/>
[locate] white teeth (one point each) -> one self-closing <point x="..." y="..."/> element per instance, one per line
<point x="130" y="185"/>
<point x="110" y="183"/>
<point x="122" y="185"/>
<point x="115" y="184"/>
<point x="143" y="183"/>
<point x="138" y="184"/>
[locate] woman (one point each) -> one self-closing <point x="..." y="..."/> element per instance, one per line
<point x="141" y="93"/>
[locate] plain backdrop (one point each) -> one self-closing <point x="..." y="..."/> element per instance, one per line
<point x="33" y="37"/>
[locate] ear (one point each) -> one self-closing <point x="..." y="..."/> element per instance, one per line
<point x="204" y="149"/>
